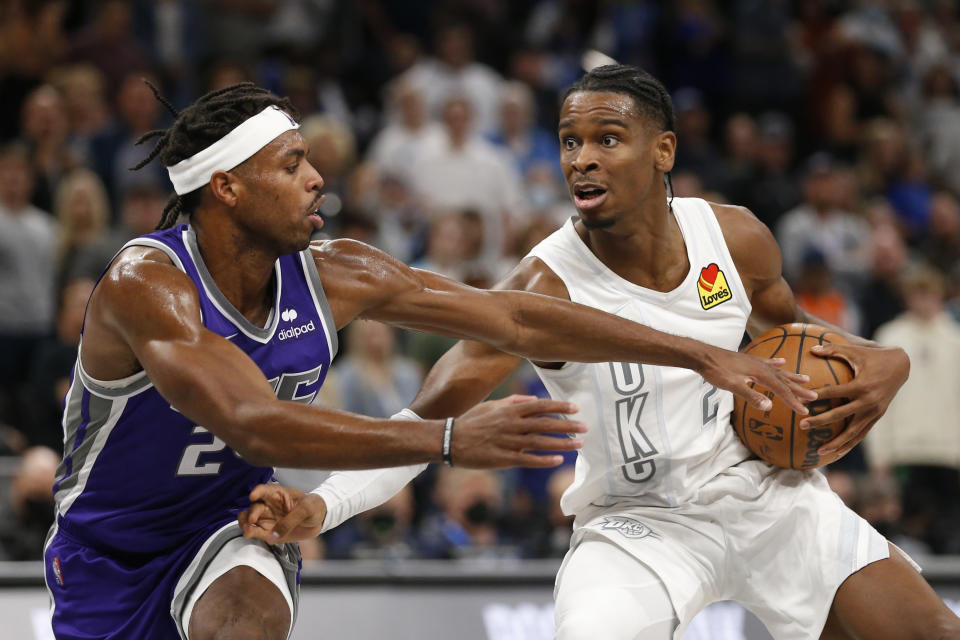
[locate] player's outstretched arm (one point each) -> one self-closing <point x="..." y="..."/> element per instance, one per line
<point x="282" y="514"/>
<point x="540" y="327"/>
<point x="150" y="308"/>
<point x="879" y="372"/>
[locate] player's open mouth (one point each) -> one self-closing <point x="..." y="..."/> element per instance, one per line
<point x="314" y="212"/>
<point x="588" y="196"/>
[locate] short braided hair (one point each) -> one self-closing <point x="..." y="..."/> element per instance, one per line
<point x="198" y="126"/>
<point x="649" y="94"/>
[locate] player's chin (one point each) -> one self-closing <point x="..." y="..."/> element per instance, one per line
<point x="595" y="220"/>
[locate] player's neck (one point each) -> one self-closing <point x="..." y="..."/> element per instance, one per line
<point x="243" y="272"/>
<point x="645" y="247"/>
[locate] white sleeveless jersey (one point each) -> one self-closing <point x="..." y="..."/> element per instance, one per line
<point x="657" y="434"/>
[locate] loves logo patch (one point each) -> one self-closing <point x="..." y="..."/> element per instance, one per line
<point x="712" y="286"/>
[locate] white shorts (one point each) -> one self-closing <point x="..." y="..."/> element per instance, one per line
<point x="777" y="541"/>
<point x="225" y="550"/>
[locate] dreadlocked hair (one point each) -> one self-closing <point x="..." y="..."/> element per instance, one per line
<point x="648" y="93"/>
<point x="198" y="126"/>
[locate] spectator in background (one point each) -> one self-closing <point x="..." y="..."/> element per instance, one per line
<point x="31" y="42"/>
<point x="463" y="171"/>
<point x="108" y="43"/>
<point x="402" y="225"/>
<point x="937" y="121"/>
<point x="454" y="70"/>
<point x="82" y="88"/>
<point x="527" y="144"/>
<point x="941" y="243"/>
<point x="774" y="190"/>
<point x="450" y="249"/>
<point x="52" y="365"/>
<point x="879" y="503"/>
<point x="470" y="502"/>
<point x="697" y="154"/>
<point x="817" y="295"/>
<point x="737" y="171"/>
<point x="882" y="152"/>
<point x="923" y="446"/>
<point x="113" y="151"/>
<point x="28" y="511"/>
<point x="880" y="298"/>
<point x="82" y="211"/>
<point x="27" y="272"/>
<point x="373" y="379"/>
<point x="819" y="223"/>
<point x="409" y="127"/>
<point x="333" y="152"/>
<point x="44" y="132"/>
<point x="385" y="532"/>
<point x="140" y="211"/>
<point x="546" y="196"/>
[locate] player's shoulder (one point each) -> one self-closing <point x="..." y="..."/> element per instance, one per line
<point x="532" y="274"/>
<point x="751" y="243"/>
<point x="347" y="254"/>
<point x="141" y="277"/>
<point x="135" y="263"/>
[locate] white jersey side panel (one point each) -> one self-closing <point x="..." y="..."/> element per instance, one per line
<point x="657" y="434"/>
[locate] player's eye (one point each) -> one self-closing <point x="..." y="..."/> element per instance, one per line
<point x="609" y="141"/>
<point x="569" y="143"/>
<point x="293" y="169"/>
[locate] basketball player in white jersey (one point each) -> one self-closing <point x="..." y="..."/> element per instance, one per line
<point x="672" y="511"/>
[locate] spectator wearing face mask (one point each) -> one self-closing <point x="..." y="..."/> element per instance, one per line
<point x="466" y="526"/>
<point x="385" y="532"/>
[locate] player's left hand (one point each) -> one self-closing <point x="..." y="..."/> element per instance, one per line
<point x="878" y="372"/>
<point x="282" y="514"/>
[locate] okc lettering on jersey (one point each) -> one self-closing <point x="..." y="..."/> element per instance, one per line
<point x="628" y="527"/>
<point x="712" y="286"/>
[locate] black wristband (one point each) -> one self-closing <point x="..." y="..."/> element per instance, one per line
<point x="448" y="442"/>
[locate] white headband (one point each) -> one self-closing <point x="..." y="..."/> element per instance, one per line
<point x="250" y="136"/>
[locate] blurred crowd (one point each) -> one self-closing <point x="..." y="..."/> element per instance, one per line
<point x="837" y="122"/>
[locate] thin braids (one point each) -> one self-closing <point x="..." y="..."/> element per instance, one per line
<point x="650" y="95"/>
<point x="198" y="126"/>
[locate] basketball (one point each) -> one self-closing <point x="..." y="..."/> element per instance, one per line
<point x="775" y="435"/>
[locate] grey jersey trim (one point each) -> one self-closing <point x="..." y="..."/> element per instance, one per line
<point x="320" y="299"/>
<point x="288" y="555"/>
<point x="260" y="334"/>
<point x="104" y="415"/>
<point x="123" y="387"/>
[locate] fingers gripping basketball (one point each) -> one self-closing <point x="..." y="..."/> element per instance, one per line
<point x="775" y="435"/>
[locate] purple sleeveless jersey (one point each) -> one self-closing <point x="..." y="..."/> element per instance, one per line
<point x="141" y="486"/>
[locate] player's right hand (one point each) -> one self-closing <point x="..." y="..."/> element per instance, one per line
<point x="735" y="371"/>
<point x="280" y="514"/>
<point x="507" y="432"/>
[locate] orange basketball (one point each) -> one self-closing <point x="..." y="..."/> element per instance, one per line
<point x="774" y="435"/>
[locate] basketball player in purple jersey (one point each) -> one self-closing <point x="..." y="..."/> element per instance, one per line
<point x="205" y="343"/>
<point x="672" y="511"/>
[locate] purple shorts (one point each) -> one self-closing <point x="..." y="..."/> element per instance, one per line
<point x="131" y="596"/>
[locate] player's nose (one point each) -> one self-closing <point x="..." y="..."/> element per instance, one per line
<point x="585" y="160"/>
<point x="314" y="179"/>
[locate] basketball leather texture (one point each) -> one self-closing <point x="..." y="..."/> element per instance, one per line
<point x="775" y="435"/>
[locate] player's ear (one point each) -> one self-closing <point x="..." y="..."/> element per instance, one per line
<point x="224" y="186"/>
<point x="664" y="151"/>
